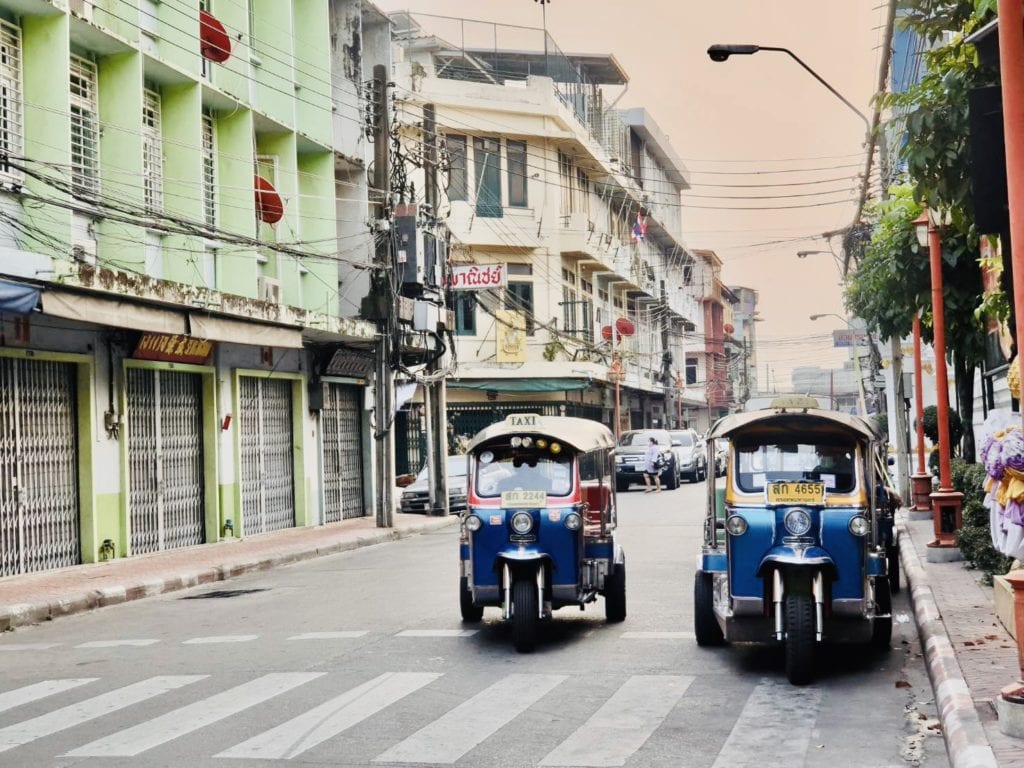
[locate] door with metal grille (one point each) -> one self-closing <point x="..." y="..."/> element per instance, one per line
<point x="39" y="513"/>
<point x="265" y="428"/>
<point x="341" y="424"/>
<point x="166" y="492"/>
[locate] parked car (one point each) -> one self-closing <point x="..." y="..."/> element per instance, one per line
<point x="629" y="458"/>
<point x="416" y="497"/>
<point x="721" y="456"/>
<point x="691" y="454"/>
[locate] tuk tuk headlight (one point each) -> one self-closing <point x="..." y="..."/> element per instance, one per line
<point x="522" y="522"/>
<point x="736" y="525"/>
<point x="573" y="521"/>
<point x="474" y="523"/>
<point x="859" y="525"/>
<point x="797" y="521"/>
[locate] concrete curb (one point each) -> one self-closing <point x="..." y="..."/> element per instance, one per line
<point x="235" y="564"/>
<point x="966" y="742"/>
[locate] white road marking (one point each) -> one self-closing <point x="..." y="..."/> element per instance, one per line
<point x="623" y="723"/>
<point x="220" y="639"/>
<point x="27" y="646"/>
<point x="437" y="633"/>
<point x="455" y="733"/>
<point x="116" y="643"/>
<point x="773" y="708"/>
<point x="36" y="691"/>
<point x="159" y="730"/>
<point x="84" y="711"/>
<point x="346" y="635"/>
<point x="658" y="635"/>
<point x="331" y="718"/>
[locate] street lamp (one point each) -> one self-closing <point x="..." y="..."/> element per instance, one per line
<point x="722" y="52"/>
<point x="856" y="358"/>
<point x="947" y="503"/>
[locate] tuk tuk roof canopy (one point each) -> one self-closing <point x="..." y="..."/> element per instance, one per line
<point x="802" y="419"/>
<point x="581" y="434"/>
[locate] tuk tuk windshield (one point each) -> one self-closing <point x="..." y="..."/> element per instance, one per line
<point x="504" y="468"/>
<point x="833" y="463"/>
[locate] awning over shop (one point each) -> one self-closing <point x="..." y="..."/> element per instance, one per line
<point x="18" y="298"/>
<point x="112" y="312"/>
<point x="244" y="332"/>
<point x="521" y="385"/>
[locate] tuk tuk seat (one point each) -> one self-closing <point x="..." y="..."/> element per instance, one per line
<point x="597" y="498"/>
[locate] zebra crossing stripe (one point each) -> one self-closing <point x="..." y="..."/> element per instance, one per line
<point x="623" y="723"/>
<point x="437" y="633"/>
<point x="452" y="735"/>
<point x="657" y="636"/>
<point x="331" y="718"/>
<point x="84" y="711"/>
<point x="36" y="691"/>
<point x="343" y="635"/>
<point x="27" y="646"/>
<point x="153" y="733"/>
<point x="771" y="709"/>
<point x="220" y="639"/>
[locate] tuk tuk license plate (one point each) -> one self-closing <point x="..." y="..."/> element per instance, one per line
<point x="782" y="492"/>
<point x="521" y="499"/>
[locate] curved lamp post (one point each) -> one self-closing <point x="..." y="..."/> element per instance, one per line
<point x="947" y="503"/>
<point x="856" y="359"/>
<point x="722" y="52"/>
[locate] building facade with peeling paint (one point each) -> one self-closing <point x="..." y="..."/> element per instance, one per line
<point x="183" y="250"/>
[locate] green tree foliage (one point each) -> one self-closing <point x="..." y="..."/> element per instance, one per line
<point x="892" y="279"/>
<point x="974" y="537"/>
<point x="930" y="425"/>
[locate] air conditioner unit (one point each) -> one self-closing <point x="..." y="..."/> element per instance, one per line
<point x="81" y="8"/>
<point x="269" y="289"/>
<point x="84" y="251"/>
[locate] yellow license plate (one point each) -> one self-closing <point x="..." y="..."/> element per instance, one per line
<point x="796" y="492"/>
<point x="521" y="499"/>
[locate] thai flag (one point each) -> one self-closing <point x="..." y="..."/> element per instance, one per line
<point x="639" y="233"/>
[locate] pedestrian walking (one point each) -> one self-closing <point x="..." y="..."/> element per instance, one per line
<point x="652" y="466"/>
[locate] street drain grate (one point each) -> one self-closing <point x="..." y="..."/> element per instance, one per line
<point x="224" y="594"/>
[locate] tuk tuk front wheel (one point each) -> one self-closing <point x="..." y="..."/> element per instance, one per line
<point x="470" y="612"/>
<point x="705" y="625"/>
<point x="524" y="615"/>
<point x="615" y="594"/>
<point x="800" y="640"/>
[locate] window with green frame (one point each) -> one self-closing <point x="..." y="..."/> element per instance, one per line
<point x="516" y="173"/>
<point x="465" y="313"/>
<point x="457" y="173"/>
<point x="519" y="297"/>
<point x="487" y="177"/>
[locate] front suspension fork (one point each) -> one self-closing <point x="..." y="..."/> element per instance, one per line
<point x="778" y="598"/>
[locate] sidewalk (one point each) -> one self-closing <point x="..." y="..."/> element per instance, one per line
<point x="969" y="655"/>
<point x="37" y="597"/>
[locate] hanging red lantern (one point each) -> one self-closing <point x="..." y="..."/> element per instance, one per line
<point x="729" y="328"/>
<point x="269" y="205"/>
<point x="624" y="326"/>
<point x="214" y="41"/>
<point x="606" y="333"/>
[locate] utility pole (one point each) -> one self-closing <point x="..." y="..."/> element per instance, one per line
<point x="435" y="387"/>
<point x="382" y="312"/>
<point x="666" y="360"/>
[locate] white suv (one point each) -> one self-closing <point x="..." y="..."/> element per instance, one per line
<point x="691" y="454"/>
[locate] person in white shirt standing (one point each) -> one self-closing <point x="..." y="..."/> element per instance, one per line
<point x="651" y="469"/>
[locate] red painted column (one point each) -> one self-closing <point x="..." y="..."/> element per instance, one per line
<point x="1011" y="65"/>
<point x="941" y="375"/>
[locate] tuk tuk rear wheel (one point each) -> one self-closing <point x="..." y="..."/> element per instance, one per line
<point x="524" y="615"/>
<point x="881" y="629"/>
<point x="470" y="612"/>
<point x="892" y="556"/>
<point x="800" y="638"/>
<point x="615" y="594"/>
<point x="705" y="625"/>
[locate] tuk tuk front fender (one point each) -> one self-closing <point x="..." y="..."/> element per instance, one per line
<point x="518" y="561"/>
<point x="797" y="557"/>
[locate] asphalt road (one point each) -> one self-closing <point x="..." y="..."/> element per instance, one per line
<point x="360" y="659"/>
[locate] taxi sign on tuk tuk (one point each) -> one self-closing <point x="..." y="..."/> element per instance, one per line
<point x="523" y="420"/>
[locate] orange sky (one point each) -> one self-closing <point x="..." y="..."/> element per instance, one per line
<point x="738" y="123"/>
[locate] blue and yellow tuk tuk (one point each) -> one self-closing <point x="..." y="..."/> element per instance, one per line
<point x="797" y="545"/>
<point x="539" y="531"/>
